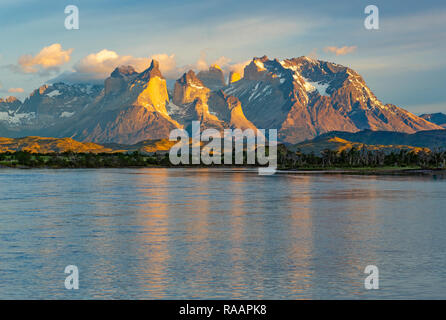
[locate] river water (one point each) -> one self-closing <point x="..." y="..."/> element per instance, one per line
<point x="220" y="234"/>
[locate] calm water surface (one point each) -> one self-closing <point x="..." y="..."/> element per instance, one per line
<point x="229" y="234"/>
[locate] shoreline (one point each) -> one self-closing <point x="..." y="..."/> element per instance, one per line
<point x="367" y="171"/>
<point x="399" y="171"/>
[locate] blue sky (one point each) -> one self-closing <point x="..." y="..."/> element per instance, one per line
<point x="403" y="62"/>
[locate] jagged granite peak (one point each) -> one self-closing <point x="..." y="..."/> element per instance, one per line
<point x="147" y="89"/>
<point x="10" y="99"/>
<point x="300" y="97"/>
<point x="304" y="97"/>
<point x="154" y="65"/>
<point x="9" y="105"/>
<point x="213" y="78"/>
<point x="60" y="97"/>
<point x="189" y="87"/>
<point x="154" y="96"/>
<point x="132" y="109"/>
<point x="263" y="69"/>
<point x="129" y="108"/>
<point x="256" y="70"/>
<point x="39" y="91"/>
<point x="152" y="71"/>
<point x="190" y="78"/>
<point x="47" y="106"/>
<point x="119" y="79"/>
<point x="198" y="110"/>
<point x="122" y="71"/>
<point x="234" y="77"/>
<point x="229" y="109"/>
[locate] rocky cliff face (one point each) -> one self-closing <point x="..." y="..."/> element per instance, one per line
<point x="191" y="103"/>
<point x="214" y="109"/>
<point x="229" y="110"/>
<point x="10" y="104"/>
<point x="132" y="109"/>
<point x="212" y="78"/>
<point x="234" y="77"/>
<point x="117" y="82"/>
<point x="188" y="88"/>
<point x="303" y="98"/>
<point x="300" y="97"/>
<point x="45" y="107"/>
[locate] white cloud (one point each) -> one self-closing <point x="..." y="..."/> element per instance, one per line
<point x="223" y="62"/>
<point x="48" y="58"/>
<point x="16" y="90"/>
<point x="201" y="63"/>
<point x="97" y="66"/>
<point x="239" y="67"/>
<point x="105" y="61"/>
<point x="101" y="64"/>
<point x="341" y="51"/>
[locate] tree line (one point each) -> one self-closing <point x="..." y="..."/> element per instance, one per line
<point x="286" y="159"/>
<point x="363" y="157"/>
<point x="81" y="160"/>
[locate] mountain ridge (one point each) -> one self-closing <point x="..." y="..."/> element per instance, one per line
<point x="438" y="118"/>
<point x="300" y="97"/>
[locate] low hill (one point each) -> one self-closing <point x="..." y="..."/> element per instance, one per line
<point x="49" y="145"/>
<point x="336" y="140"/>
<point x="337" y="144"/>
<point x="59" y="145"/>
<point x="424" y="139"/>
<point x="146" y="146"/>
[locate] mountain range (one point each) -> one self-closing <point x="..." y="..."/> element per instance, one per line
<point x="300" y="97"/>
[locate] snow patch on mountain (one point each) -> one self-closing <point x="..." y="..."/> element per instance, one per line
<point x="54" y="93"/>
<point x="66" y="114"/>
<point x="193" y="85"/>
<point x="311" y="86"/>
<point x="16" y="118"/>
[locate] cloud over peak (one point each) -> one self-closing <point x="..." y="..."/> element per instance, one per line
<point x="105" y="61"/>
<point x="16" y="90"/>
<point x="48" y="58"/>
<point x="341" y="50"/>
<point x="99" y="65"/>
